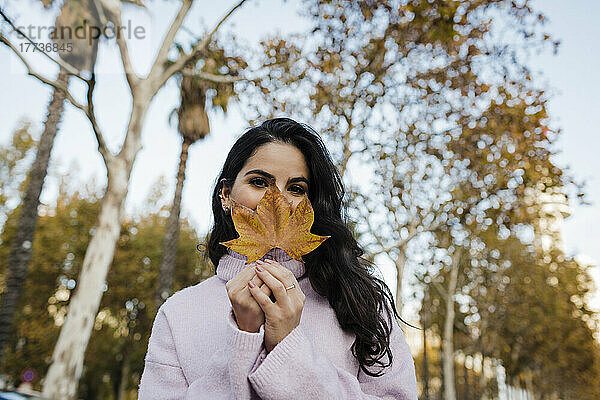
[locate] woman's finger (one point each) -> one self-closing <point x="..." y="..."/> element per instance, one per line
<point x="283" y="274"/>
<point x="262" y="299"/>
<point x="257" y="281"/>
<point x="277" y="286"/>
<point x="280" y="272"/>
<point x="261" y="285"/>
<point x="239" y="281"/>
<point x="266" y="289"/>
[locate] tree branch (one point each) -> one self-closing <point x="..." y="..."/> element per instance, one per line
<point x="88" y="109"/>
<point x="159" y="66"/>
<point x="102" y="147"/>
<point x="182" y="61"/>
<point x="100" y="11"/>
<point x="132" y="78"/>
<point x="43" y="79"/>
<point x="412" y="232"/>
<point x="373" y="232"/>
<point x="440" y="290"/>
<point x="66" y="66"/>
<point x="212" y="77"/>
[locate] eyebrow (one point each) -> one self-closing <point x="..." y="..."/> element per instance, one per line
<point x="269" y="176"/>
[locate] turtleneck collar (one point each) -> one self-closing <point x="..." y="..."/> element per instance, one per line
<point x="232" y="262"/>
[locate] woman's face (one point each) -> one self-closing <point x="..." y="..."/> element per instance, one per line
<point x="281" y="164"/>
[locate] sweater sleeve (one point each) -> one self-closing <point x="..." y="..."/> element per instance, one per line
<point x="247" y="348"/>
<point x="295" y="368"/>
<point x="162" y="378"/>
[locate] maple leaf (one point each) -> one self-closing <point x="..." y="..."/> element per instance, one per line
<point x="274" y="224"/>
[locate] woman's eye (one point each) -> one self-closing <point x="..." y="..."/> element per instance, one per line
<point x="260" y="182"/>
<point x="298" y="189"/>
<point x="257" y="181"/>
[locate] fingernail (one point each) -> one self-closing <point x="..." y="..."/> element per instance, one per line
<point x="258" y="268"/>
<point x="251" y="284"/>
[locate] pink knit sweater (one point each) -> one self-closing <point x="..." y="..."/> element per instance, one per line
<point x="196" y="350"/>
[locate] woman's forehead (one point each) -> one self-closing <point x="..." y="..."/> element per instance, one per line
<point x="278" y="158"/>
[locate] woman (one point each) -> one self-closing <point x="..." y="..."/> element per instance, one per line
<point x="279" y="328"/>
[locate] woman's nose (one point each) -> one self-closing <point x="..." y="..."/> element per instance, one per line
<point x="287" y="195"/>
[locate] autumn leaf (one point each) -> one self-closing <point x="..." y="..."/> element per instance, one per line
<point x="274" y="224"/>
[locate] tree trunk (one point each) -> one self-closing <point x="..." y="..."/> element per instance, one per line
<point x="482" y="380"/>
<point x="400" y="262"/>
<point x="67" y="359"/>
<point x="448" y="339"/>
<point x="483" y="349"/>
<point x="425" y="366"/>
<point x="22" y="245"/>
<point x="167" y="265"/>
<point x="122" y="392"/>
<point x="466" y="374"/>
<point x="529" y="385"/>
<point x="441" y="392"/>
<point x="425" y="323"/>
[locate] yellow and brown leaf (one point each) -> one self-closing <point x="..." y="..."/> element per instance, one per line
<point x="274" y="224"/>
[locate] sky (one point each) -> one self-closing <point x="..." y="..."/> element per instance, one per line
<point x="571" y="77"/>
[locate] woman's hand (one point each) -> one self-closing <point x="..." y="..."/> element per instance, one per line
<point x="284" y="315"/>
<point x="248" y="314"/>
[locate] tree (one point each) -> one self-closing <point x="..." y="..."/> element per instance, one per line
<point x="498" y="161"/>
<point x="193" y="125"/>
<point x="81" y="57"/>
<point x="115" y="357"/>
<point x="15" y="161"/>
<point x="41" y="309"/>
<point x="541" y="327"/>
<point x="436" y="98"/>
<point x="384" y="82"/>
<point x="65" y="371"/>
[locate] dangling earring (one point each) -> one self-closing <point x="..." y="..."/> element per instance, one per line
<point x="225" y="208"/>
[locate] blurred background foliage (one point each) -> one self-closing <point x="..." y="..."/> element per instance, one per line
<point x="115" y="355"/>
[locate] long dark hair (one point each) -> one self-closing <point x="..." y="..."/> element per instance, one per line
<point x="335" y="269"/>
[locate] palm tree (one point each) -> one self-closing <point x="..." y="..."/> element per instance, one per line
<point x="82" y="56"/>
<point x="193" y="125"/>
